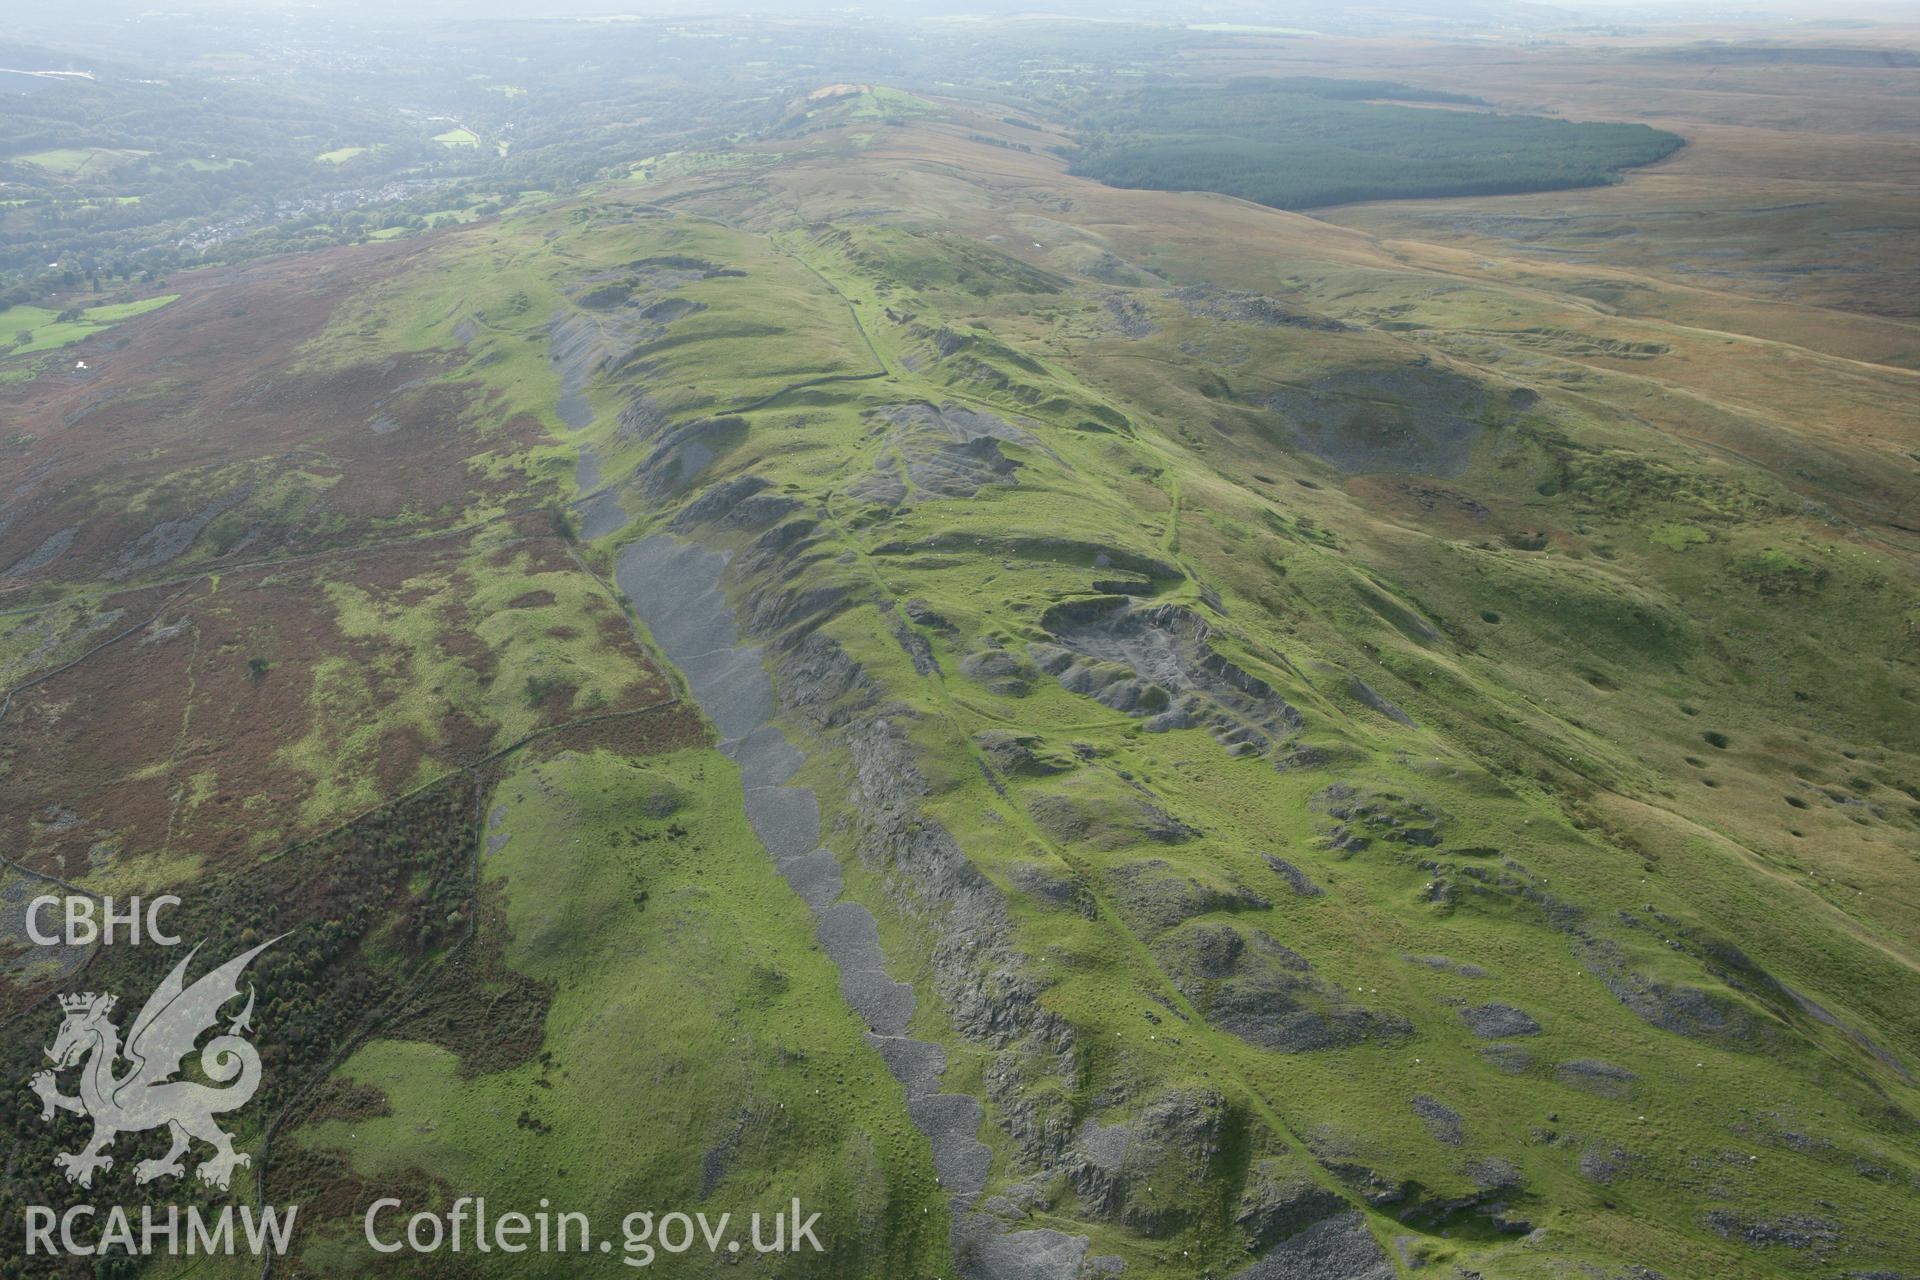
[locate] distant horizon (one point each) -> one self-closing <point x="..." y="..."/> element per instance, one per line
<point x="1513" y="14"/>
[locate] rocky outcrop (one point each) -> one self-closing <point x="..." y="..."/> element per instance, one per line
<point x="1591" y="1075"/>
<point x="1151" y="1170"/>
<point x="1337" y="1248"/>
<point x="1443" y="1122"/>
<point x="1156" y="662"/>
<point x="1245" y="982"/>
<point x="1279" y="1201"/>
<point x="1496" y="1021"/>
<point x="940" y="451"/>
<point x="1050" y="884"/>
<point x="999" y="672"/>
<point x="1361" y="817"/>
<point x="1155" y="896"/>
<point x="1514" y="1059"/>
<point x="740" y="503"/>
<point x="1104" y="824"/>
<point x="1020" y="754"/>
<point x="1804" y="1231"/>
<point x="1604" y="1167"/>
<point x="1681" y="1008"/>
<point x="1296" y="879"/>
<point x="682" y="453"/>
<point x="1685" y="1010"/>
<point x="675" y="588"/>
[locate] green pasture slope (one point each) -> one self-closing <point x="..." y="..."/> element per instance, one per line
<point x="1316" y="784"/>
<point x="691" y="1013"/>
<point x="1523" y="1037"/>
<point x="28" y="330"/>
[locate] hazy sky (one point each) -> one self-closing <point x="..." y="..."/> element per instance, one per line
<point x="1292" y="12"/>
<point x="42" y="20"/>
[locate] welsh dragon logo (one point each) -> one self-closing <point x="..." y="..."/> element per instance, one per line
<point x="145" y="1095"/>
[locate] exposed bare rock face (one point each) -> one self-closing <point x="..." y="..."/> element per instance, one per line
<point x="1246" y="982"/>
<point x="940" y="451"/>
<point x="1154" y="661"/>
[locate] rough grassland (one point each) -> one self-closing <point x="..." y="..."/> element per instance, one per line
<point x="984" y="563"/>
<point x="690" y="1013"/>
<point x="1548" y="585"/>
<point x="1340" y="740"/>
<point x="46" y="331"/>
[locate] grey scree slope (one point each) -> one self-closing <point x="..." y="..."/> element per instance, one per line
<point x="675" y="588"/>
<point x="602" y="513"/>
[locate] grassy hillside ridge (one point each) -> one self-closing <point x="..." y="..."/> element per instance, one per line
<point x="1503" y="903"/>
<point x="1403" y="644"/>
<point x="1351" y="748"/>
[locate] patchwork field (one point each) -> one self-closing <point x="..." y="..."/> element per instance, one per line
<point x="78" y="162"/>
